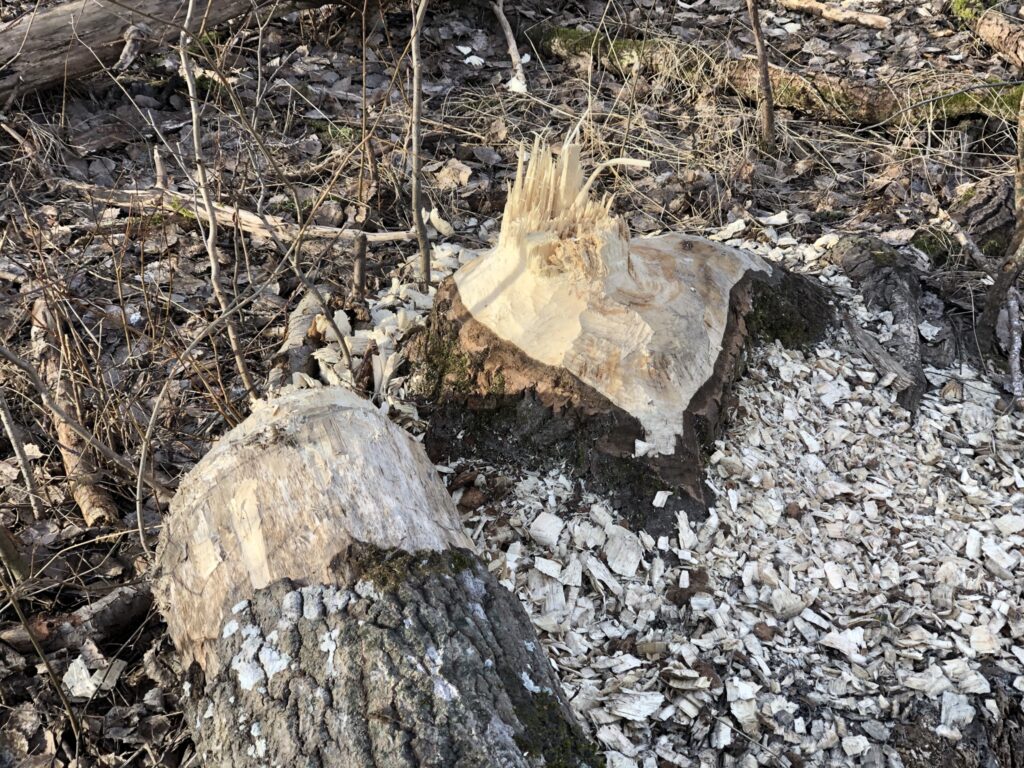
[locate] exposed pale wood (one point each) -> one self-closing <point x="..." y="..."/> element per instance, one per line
<point x="640" y="321"/>
<point x="315" y="569"/>
<point x="93" y="501"/>
<point x="280" y="495"/>
<point x="1002" y="33"/>
<point x="836" y="13"/>
<point x="267" y="226"/>
<point x="54" y="45"/>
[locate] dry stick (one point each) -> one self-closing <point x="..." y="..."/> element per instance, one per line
<point x="417" y="163"/>
<point x="204" y="192"/>
<point x="119" y="461"/>
<point x="835" y="13"/>
<point x="263" y="225"/>
<point x="518" y="82"/>
<point x="23" y="463"/>
<point x="359" y="269"/>
<point x="1013" y="315"/>
<point x="767" y="103"/>
<point x="93" y="501"/>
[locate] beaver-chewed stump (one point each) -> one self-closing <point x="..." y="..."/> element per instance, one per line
<point x="572" y="343"/>
<point x="319" y="588"/>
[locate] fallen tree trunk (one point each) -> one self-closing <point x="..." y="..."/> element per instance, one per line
<point x="1001" y="32"/>
<point x="54" y="45"/>
<point x="907" y="100"/>
<point x="317" y="584"/>
<point x="571" y="343"/>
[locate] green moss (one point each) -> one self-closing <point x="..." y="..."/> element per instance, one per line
<point x="968" y="11"/>
<point x="333" y="133"/>
<point x="549" y="734"/>
<point x="497" y="387"/>
<point x="389" y="570"/>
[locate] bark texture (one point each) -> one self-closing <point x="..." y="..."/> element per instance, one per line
<point x="889" y="283"/>
<point x="909" y="100"/>
<point x="318" y="586"/>
<point x="422" y="661"/>
<point x="52" y="46"/>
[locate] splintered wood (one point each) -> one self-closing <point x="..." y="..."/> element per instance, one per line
<point x="640" y="320"/>
<point x="279" y="496"/>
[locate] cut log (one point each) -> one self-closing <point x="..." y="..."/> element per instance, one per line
<point x="1001" y="32"/>
<point x="907" y="100"/>
<point x="571" y="342"/>
<point x="317" y="583"/>
<point x="64" y="42"/>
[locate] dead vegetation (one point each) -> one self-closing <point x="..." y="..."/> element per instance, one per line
<point x="117" y="295"/>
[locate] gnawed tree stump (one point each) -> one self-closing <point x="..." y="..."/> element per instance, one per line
<point x="317" y="584"/>
<point x="571" y="342"/>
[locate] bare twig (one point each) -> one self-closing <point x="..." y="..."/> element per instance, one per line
<point x="72" y="423"/>
<point x="93" y="501"/>
<point x="518" y="82"/>
<point x="211" y="215"/>
<point x="419" y="12"/>
<point x="359" y="269"/>
<point x="767" y="103"/>
<point x="257" y="224"/>
<point x="23" y="463"/>
<point x="835" y="13"/>
<point x="1013" y="318"/>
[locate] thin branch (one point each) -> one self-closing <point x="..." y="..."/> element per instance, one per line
<point x="23" y="463"/>
<point x="767" y="102"/>
<point x="417" y="162"/>
<point x="518" y="82"/>
<point x="211" y="214"/>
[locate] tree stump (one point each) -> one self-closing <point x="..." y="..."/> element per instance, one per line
<point x="320" y="590"/>
<point x="569" y="342"/>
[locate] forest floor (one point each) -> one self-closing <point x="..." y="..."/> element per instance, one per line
<point x="854" y="595"/>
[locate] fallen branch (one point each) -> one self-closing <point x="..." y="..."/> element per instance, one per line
<point x="835" y="13"/>
<point x="263" y="225"/>
<point x="1002" y="33"/>
<point x="904" y="101"/>
<point x="93" y="501"/>
<point x="52" y="46"/>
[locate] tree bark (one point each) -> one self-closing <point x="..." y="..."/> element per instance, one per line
<point x="55" y="45"/>
<point x="1001" y="32"/>
<point x="912" y="99"/>
<point x="319" y="588"/>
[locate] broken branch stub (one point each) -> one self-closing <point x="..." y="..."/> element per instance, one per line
<point x="317" y="583"/>
<point x="571" y="341"/>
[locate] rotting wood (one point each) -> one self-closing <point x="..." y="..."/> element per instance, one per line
<point x="95" y="504"/>
<point x="904" y="100"/>
<point x="837" y="13"/>
<point x="265" y="225"/>
<point x="317" y="584"/>
<point x="49" y="47"/>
